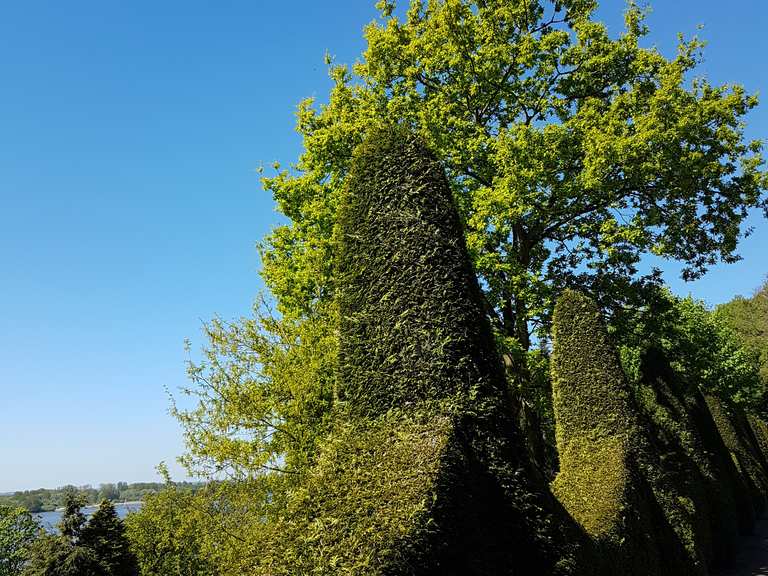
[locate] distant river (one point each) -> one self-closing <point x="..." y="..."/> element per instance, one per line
<point x="49" y="520"/>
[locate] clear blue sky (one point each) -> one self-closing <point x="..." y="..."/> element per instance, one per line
<point x="129" y="135"/>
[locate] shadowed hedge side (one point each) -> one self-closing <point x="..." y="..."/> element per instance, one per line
<point x="740" y="440"/>
<point x="694" y="455"/>
<point x="760" y="430"/>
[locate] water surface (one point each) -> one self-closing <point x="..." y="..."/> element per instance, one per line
<point x="49" y="520"/>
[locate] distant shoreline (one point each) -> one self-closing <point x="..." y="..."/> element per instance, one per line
<point x="128" y="503"/>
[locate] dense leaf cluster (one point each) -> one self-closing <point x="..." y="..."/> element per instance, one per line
<point x="18" y="531"/>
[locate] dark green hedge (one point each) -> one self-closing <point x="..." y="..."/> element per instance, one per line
<point x="693" y="455"/>
<point x="613" y="476"/>
<point x="739" y="439"/>
<point x="411" y="320"/>
<point x="425" y="472"/>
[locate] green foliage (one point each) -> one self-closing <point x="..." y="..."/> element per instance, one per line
<point x="748" y="318"/>
<point x="701" y="347"/>
<point x="609" y="446"/>
<point x="739" y="439"/>
<point x="263" y="390"/>
<point x="760" y="430"/>
<point x="596" y="430"/>
<point x="411" y="322"/>
<point x="583" y="367"/>
<point x="694" y="455"/>
<point x="423" y="462"/>
<point x="59" y="556"/>
<point x="104" y="534"/>
<point x="366" y="507"/>
<point x="50" y="499"/>
<point x="167" y="535"/>
<point x="18" y="532"/>
<point x="72" y="519"/>
<point x="570" y="153"/>
<point x="97" y="547"/>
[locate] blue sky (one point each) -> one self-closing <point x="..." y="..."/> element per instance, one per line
<point x="129" y="204"/>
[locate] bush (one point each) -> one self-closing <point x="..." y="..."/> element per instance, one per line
<point x="424" y="472"/>
<point x="613" y="478"/>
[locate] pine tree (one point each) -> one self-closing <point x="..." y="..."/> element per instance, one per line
<point x="104" y="534"/>
<point x="73" y="519"/>
<point x="58" y="556"/>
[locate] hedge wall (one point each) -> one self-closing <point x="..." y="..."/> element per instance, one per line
<point x="425" y="472"/>
<point x="613" y="476"/>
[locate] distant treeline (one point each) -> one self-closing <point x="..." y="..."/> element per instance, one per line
<point x="44" y="499"/>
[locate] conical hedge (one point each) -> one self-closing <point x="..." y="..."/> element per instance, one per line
<point x="424" y="473"/>
<point x="612" y="476"/>
<point x="412" y="326"/>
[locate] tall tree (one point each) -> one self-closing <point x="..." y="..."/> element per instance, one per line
<point x="73" y="519"/>
<point x="571" y="154"/>
<point x="105" y="535"/>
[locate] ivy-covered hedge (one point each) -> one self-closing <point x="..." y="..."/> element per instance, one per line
<point x="760" y="431"/>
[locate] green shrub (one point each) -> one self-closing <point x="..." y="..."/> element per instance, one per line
<point x="613" y="478"/>
<point x="424" y="472"/>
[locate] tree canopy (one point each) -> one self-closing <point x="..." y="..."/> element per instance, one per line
<point x="571" y="154"/>
<point x="748" y="318"/>
<point x="18" y="531"/>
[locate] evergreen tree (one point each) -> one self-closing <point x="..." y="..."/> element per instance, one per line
<point x="73" y="519"/>
<point x="58" y="556"/>
<point x="97" y="547"/>
<point x="104" y="534"/>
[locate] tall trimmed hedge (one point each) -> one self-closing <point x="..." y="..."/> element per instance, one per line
<point x="411" y="319"/>
<point x="425" y="472"/>
<point x="596" y="432"/>
<point x="613" y="478"/>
